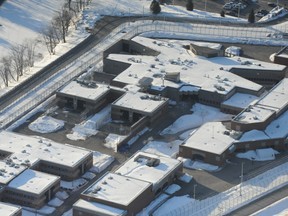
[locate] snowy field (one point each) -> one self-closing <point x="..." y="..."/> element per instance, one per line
<point x="15" y="29"/>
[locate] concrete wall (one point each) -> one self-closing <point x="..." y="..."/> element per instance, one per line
<point x="19" y="197"/>
<point x="207" y="157"/>
<point x="281" y="60"/>
<point x="133" y="207"/>
<point x="114" y="67"/>
<point x="65" y="172"/>
<point x="211" y="98"/>
<point x="260" y="76"/>
<point x="278" y="144"/>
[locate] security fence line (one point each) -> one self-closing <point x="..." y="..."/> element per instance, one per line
<point x="236" y="197"/>
<point x="125" y="31"/>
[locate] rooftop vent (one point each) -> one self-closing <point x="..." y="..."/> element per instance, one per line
<point x="153" y="162"/>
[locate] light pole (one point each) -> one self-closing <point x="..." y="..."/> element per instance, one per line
<point x="194" y="191"/>
<point x="241" y="178"/>
<point x="238" y="10"/>
<point x="205" y="5"/>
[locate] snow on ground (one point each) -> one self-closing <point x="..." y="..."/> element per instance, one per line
<point x="72" y="185"/>
<point x="23" y="19"/>
<point x="279" y="208"/>
<point x="40" y="108"/>
<point x="186" y="134"/>
<point x="56" y="202"/>
<point x="153" y="204"/>
<point x="259" y="154"/>
<point x="112" y="141"/>
<point x="68" y="213"/>
<point x="90" y="126"/>
<point x="88" y="176"/>
<point x="185" y="178"/>
<point x="101" y="162"/>
<point x="46" y="124"/>
<point x="45" y="210"/>
<point x="198" y="165"/>
<point x="31" y="30"/>
<point x="201" y="114"/>
<point x="170" y="149"/>
<point x="62" y="195"/>
<point x="172" y="189"/>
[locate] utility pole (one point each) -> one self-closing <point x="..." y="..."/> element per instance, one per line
<point x="205" y="5"/>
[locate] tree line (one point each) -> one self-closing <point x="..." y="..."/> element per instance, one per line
<point x="22" y="56"/>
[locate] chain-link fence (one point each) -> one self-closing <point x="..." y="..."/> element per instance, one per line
<point x="126" y="31"/>
<point x="236" y="197"/>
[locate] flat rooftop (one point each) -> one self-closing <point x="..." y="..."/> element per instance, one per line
<point x="7" y="209"/>
<point x="241" y="100"/>
<point x="276" y="129"/>
<point x="29" y="149"/>
<point x="32" y="181"/>
<point x="78" y="89"/>
<point x="141" y="102"/>
<point x="209" y="74"/>
<point x="277" y="98"/>
<point x="9" y="171"/>
<point x="210" y="137"/>
<point x="137" y="167"/>
<point x="117" y="189"/>
<point x="99" y="208"/>
<point x="254" y="114"/>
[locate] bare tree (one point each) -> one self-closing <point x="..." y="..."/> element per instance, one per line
<point x="62" y="22"/>
<point x="5" y="70"/>
<point x="69" y="4"/>
<point x="18" y="60"/>
<point x="50" y="37"/>
<point x="30" y="52"/>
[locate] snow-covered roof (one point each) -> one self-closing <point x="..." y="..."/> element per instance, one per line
<point x="140" y="101"/>
<point x="116" y="188"/>
<point x="75" y="88"/>
<point x="8" y="171"/>
<point x="98" y="208"/>
<point x="33" y="181"/>
<point x="137" y="167"/>
<point x="189" y="88"/>
<point x="8" y="209"/>
<point x="276" y="129"/>
<point x="253" y="135"/>
<point x="240" y="100"/>
<point x="254" y="114"/>
<point x="28" y="149"/>
<point x="273" y="102"/>
<point x="277" y="98"/>
<point x="210" y="137"/>
<point x="209" y="74"/>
